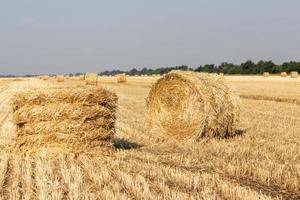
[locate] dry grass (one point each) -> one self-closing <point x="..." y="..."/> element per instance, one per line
<point x="261" y="163"/>
<point x="274" y="88"/>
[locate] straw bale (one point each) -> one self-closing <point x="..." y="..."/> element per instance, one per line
<point x="69" y="119"/>
<point x="121" y="78"/>
<point x="283" y="74"/>
<point x="45" y="78"/>
<point x="189" y="105"/>
<point x="294" y="74"/>
<point x="91" y="79"/>
<point x="60" y="78"/>
<point x="266" y="74"/>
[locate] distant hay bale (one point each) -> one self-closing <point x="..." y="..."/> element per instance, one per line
<point x="266" y="74"/>
<point x="91" y="78"/>
<point x="71" y="120"/>
<point x="60" y="78"/>
<point x="45" y="78"/>
<point x="283" y="74"/>
<point x="81" y="77"/>
<point x="190" y="105"/>
<point x="121" y="78"/>
<point x="294" y="74"/>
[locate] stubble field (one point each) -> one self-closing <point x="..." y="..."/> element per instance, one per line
<point x="262" y="162"/>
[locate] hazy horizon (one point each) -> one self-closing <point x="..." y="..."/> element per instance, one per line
<point x="75" y="36"/>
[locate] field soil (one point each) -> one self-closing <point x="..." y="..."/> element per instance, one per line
<point x="261" y="162"/>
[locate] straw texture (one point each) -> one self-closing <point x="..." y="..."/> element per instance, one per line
<point x="121" y="78"/>
<point x="190" y="105"/>
<point x="91" y="79"/>
<point x="72" y="120"/>
<point x="60" y="78"/>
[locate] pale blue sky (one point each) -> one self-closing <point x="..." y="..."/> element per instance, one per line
<point x="61" y="36"/>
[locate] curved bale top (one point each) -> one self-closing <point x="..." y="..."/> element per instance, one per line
<point x="189" y="105"/>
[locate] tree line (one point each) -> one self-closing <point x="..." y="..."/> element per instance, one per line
<point x="248" y="67"/>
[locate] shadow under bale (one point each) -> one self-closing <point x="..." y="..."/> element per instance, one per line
<point x="238" y="133"/>
<point x="121" y="143"/>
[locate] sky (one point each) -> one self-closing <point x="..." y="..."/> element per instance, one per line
<point x="68" y="36"/>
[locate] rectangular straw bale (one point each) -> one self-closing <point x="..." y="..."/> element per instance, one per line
<point x="78" y="119"/>
<point x="294" y="74"/>
<point x="91" y="78"/>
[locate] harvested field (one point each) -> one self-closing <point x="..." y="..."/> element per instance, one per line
<point x="262" y="162"/>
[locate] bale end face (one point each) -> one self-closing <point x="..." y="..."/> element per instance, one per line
<point x="190" y="105"/>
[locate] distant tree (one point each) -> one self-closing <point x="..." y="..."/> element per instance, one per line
<point x="247" y="67"/>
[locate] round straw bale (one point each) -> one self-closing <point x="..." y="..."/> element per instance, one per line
<point x="60" y="78"/>
<point x="294" y="74"/>
<point x="191" y="105"/>
<point x="266" y="74"/>
<point x="121" y="78"/>
<point x="283" y="74"/>
<point x="45" y="78"/>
